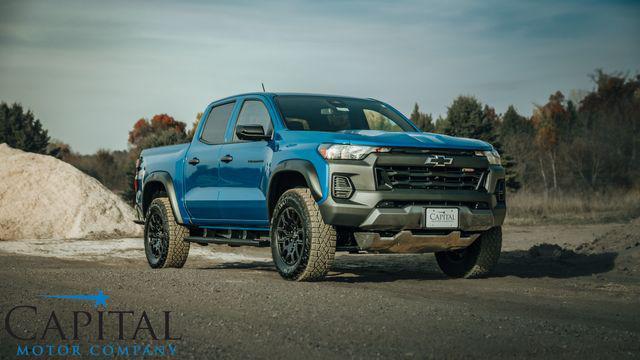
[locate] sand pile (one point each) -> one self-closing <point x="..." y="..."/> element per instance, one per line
<point x="624" y="242"/>
<point x="42" y="197"/>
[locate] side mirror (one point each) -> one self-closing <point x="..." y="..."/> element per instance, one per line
<point x="251" y="132"/>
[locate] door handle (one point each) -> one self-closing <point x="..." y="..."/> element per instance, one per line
<point x="226" y="158"/>
<point x="194" y="161"/>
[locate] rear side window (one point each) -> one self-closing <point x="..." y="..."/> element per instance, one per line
<point x="254" y="113"/>
<point x="216" y="124"/>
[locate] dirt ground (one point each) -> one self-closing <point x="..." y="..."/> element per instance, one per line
<point x="542" y="301"/>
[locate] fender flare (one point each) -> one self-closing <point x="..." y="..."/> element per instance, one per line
<point x="165" y="179"/>
<point x="306" y="169"/>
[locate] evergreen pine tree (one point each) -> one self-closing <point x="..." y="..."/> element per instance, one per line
<point x="21" y="130"/>
<point x="466" y="117"/>
<point x="422" y="120"/>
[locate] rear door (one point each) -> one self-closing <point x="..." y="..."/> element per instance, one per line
<point x="242" y="173"/>
<point x="201" y="173"/>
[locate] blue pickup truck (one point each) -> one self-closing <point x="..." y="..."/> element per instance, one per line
<point x="309" y="175"/>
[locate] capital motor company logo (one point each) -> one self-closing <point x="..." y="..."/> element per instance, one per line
<point x="79" y="332"/>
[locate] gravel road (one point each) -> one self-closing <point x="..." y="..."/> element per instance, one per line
<point x="371" y="306"/>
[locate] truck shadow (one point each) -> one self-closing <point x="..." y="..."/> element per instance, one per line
<point x="539" y="261"/>
<point x="560" y="263"/>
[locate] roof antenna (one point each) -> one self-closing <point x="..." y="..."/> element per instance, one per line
<point x="263" y="90"/>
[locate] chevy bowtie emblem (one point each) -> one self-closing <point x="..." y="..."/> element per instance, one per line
<point x="438" y="160"/>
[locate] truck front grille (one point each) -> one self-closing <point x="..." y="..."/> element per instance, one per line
<point x="429" y="178"/>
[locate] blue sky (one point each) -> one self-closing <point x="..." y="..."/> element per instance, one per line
<point x="90" y="69"/>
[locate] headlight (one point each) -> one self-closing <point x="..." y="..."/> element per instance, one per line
<point x="492" y="156"/>
<point x="347" y="152"/>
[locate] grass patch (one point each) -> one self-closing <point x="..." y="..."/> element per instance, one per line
<point x="577" y="208"/>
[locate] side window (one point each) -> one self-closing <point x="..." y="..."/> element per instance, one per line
<point x="216" y="124"/>
<point x="377" y="121"/>
<point x="254" y="113"/>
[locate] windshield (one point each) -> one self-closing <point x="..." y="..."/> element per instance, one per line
<point x="323" y="113"/>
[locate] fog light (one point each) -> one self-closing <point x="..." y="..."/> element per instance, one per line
<point x="342" y="188"/>
<point x="500" y="191"/>
<point x="386" y="204"/>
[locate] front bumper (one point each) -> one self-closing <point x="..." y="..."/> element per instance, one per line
<point x="364" y="210"/>
<point x="361" y="212"/>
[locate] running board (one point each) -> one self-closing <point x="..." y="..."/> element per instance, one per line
<point x="227" y="241"/>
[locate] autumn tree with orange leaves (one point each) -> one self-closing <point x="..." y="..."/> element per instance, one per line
<point x="160" y="130"/>
<point x="158" y="125"/>
<point x="553" y="122"/>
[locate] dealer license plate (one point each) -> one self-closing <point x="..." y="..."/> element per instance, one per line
<point x="441" y="218"/>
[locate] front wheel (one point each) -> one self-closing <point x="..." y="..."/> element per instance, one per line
<point x="475" y="261"/>
<point x="164" y="242"/>
<point x="302" y="245"/>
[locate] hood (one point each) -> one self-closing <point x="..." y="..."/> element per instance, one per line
<point x="392" y="139"/>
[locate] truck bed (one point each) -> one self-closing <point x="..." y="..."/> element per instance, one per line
<point x="164" y="158"/>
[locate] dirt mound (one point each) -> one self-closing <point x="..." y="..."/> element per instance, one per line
<point x="625" y="242"/>
<point x="42" y="197"/>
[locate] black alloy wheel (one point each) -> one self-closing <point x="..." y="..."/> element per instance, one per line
<point x="157" y="237"/>
<point x="302" y="245"/>
<point x="164" y="243"/>
<point x="290" y="236"/>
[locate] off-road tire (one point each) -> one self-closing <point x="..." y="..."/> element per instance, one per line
<point x="176" y="250"/>
<point x="319" y="240"/>
<point x="477" y="260"/>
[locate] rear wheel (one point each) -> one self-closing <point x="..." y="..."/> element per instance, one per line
<point x="302" y="245"/>
<point x="164" y="242"/>
<point x="475" y="261"/>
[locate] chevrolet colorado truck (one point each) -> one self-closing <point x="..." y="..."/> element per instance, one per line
<point x="309" y="175"/>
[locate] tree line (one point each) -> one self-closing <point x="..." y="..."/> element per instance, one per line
<point x="589" y="141"/>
